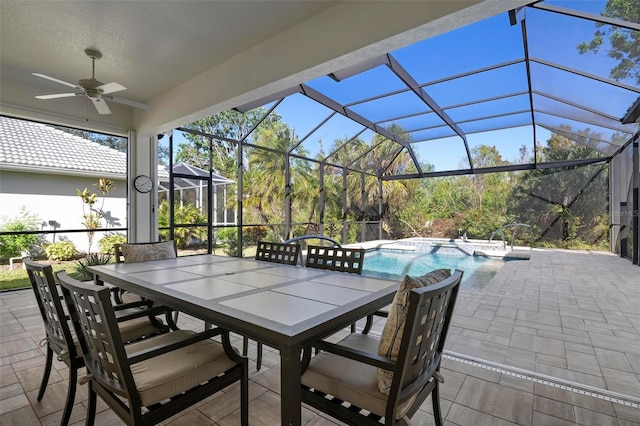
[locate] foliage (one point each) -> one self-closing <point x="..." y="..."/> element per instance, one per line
<point x="229" y="239"/>
<point x="479" y="224"/>
<point x="16" y="245"/>
<point x="623" y="45"/>
<point x="564" y="204"/>
<point x="184" y="214"/>
<point x="228" y="124"/>
<point x="255" y="234"/>
<point x="441" y="207"/>
<point x="107" y="242"/>
<point x="62" y="250"/>
<point x="92" y="259"/>
<point x="92" y="218"/>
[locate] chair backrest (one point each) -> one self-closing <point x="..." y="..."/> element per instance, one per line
<point x="49" y="299"/>
<point x="336" y="259"/>
<point x="96" y="326"/>
<point x="140" y="252"/>
<point x="278" y="252"/>
<point x="423" y="339"/>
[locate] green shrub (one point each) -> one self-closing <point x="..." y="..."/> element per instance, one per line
<point x="255" y="234"/>
<point x="16" y="245"/>
<point x="62" y="250"/>
<point x="186" y="214"/>
<point x="92" y="259"/>
<point x="229" y="238"/>
<point x="106" y="243"/>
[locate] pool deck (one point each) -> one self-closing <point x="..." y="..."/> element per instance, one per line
<point x="554" y="340"/>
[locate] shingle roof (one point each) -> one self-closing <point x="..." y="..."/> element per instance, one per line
<point x="27" y="143"/>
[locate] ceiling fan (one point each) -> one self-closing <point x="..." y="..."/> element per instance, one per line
<point x="93" y="89"/>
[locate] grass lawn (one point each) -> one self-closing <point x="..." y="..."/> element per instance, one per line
<point x="17" y="278"/>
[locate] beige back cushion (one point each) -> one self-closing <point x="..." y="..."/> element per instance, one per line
<point x="154" y="251"/>
<point x="393" y="328"/>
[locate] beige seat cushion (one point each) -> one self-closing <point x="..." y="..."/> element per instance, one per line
<point x="142" y="252"/>
<point x="347" y="379"/>
<point x="393" y="328"/>
<point x="128" y="297"/>
<point x="351" y="380"/>
<point x="177" y="371"/>
<point x="137" y="328"/>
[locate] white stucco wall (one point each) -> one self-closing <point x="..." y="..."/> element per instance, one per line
<point x="52" y="197"/>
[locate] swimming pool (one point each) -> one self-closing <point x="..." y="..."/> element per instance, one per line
<point x="478" y="270"/>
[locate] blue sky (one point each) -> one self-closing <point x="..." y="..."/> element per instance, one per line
<point x="476" y="46"/>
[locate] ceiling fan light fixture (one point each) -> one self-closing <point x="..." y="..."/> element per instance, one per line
<point x="93" y="89"/>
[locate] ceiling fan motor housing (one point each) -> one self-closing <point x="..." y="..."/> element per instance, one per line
<point x="90" y="86"/>
<point x="93" y="89"/>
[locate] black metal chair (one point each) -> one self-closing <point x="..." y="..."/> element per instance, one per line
<point x="286" y="254"/>
<point x="134" y="323"/>
<point x="141" y="252"/>
<point x="278" y="252"/>
<point x="340" y="259"/>
<point x="154" y="379"/>
<point x="344" y="379"/>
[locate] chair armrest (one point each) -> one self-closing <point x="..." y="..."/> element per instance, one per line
<point x="139" y="304"/>
<point x="356" y="355"/>
<point x="160" y="310"/>
<point x="159" y="350"/>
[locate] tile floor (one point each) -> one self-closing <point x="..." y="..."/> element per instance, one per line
<point x="562" y="320"/>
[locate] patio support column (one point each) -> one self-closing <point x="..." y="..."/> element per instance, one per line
<point x="287" y="196"/>
<point x="345" y="223"/>
<point x="142" y="211"/>
<point x="636" y="183"/>
<point x="239" y="220"/>
<point x="363" y="199"/>
<point x="321" y="201"/>
<point x="379" y="208"/>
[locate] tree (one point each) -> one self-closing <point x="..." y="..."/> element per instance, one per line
<point x="624" y="45"/>
<point x="17" y="244"/>
<point x="564" y="204"/>
<point x="184" y="214"/>
<point x="228" y="124"/>
<point x="92" y="218"/>
<point x="265" y="176"/>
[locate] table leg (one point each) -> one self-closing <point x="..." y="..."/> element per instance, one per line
<point x="290" y="383"/>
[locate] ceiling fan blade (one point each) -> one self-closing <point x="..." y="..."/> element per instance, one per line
<point x="101" y="106"/>
<point x="129" y="102"/>
<point x="111" y="88"/>
<point x="58" y="95"/>
<point x="56" y="80"/>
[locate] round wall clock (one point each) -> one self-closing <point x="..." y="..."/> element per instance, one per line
<point x="143" y="184"/>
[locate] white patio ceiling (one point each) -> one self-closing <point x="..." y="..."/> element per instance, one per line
<point x="189" y="59"/>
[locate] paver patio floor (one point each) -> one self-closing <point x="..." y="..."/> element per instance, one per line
<point x="554" y="340"/>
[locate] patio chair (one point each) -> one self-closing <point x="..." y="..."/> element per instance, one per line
<point x="362" y="378"/>
<point x="283" y="253"/>
<point x="133" y="324"/>
<point x="154" y="379"/>
<point x="341" y="259"/>
<point x="278" y="252"/>
<point x="141" y="252"/>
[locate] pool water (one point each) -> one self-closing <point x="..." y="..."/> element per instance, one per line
<point x="478" y="271"/>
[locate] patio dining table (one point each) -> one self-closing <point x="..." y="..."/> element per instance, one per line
<point x="283" y="306"/>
